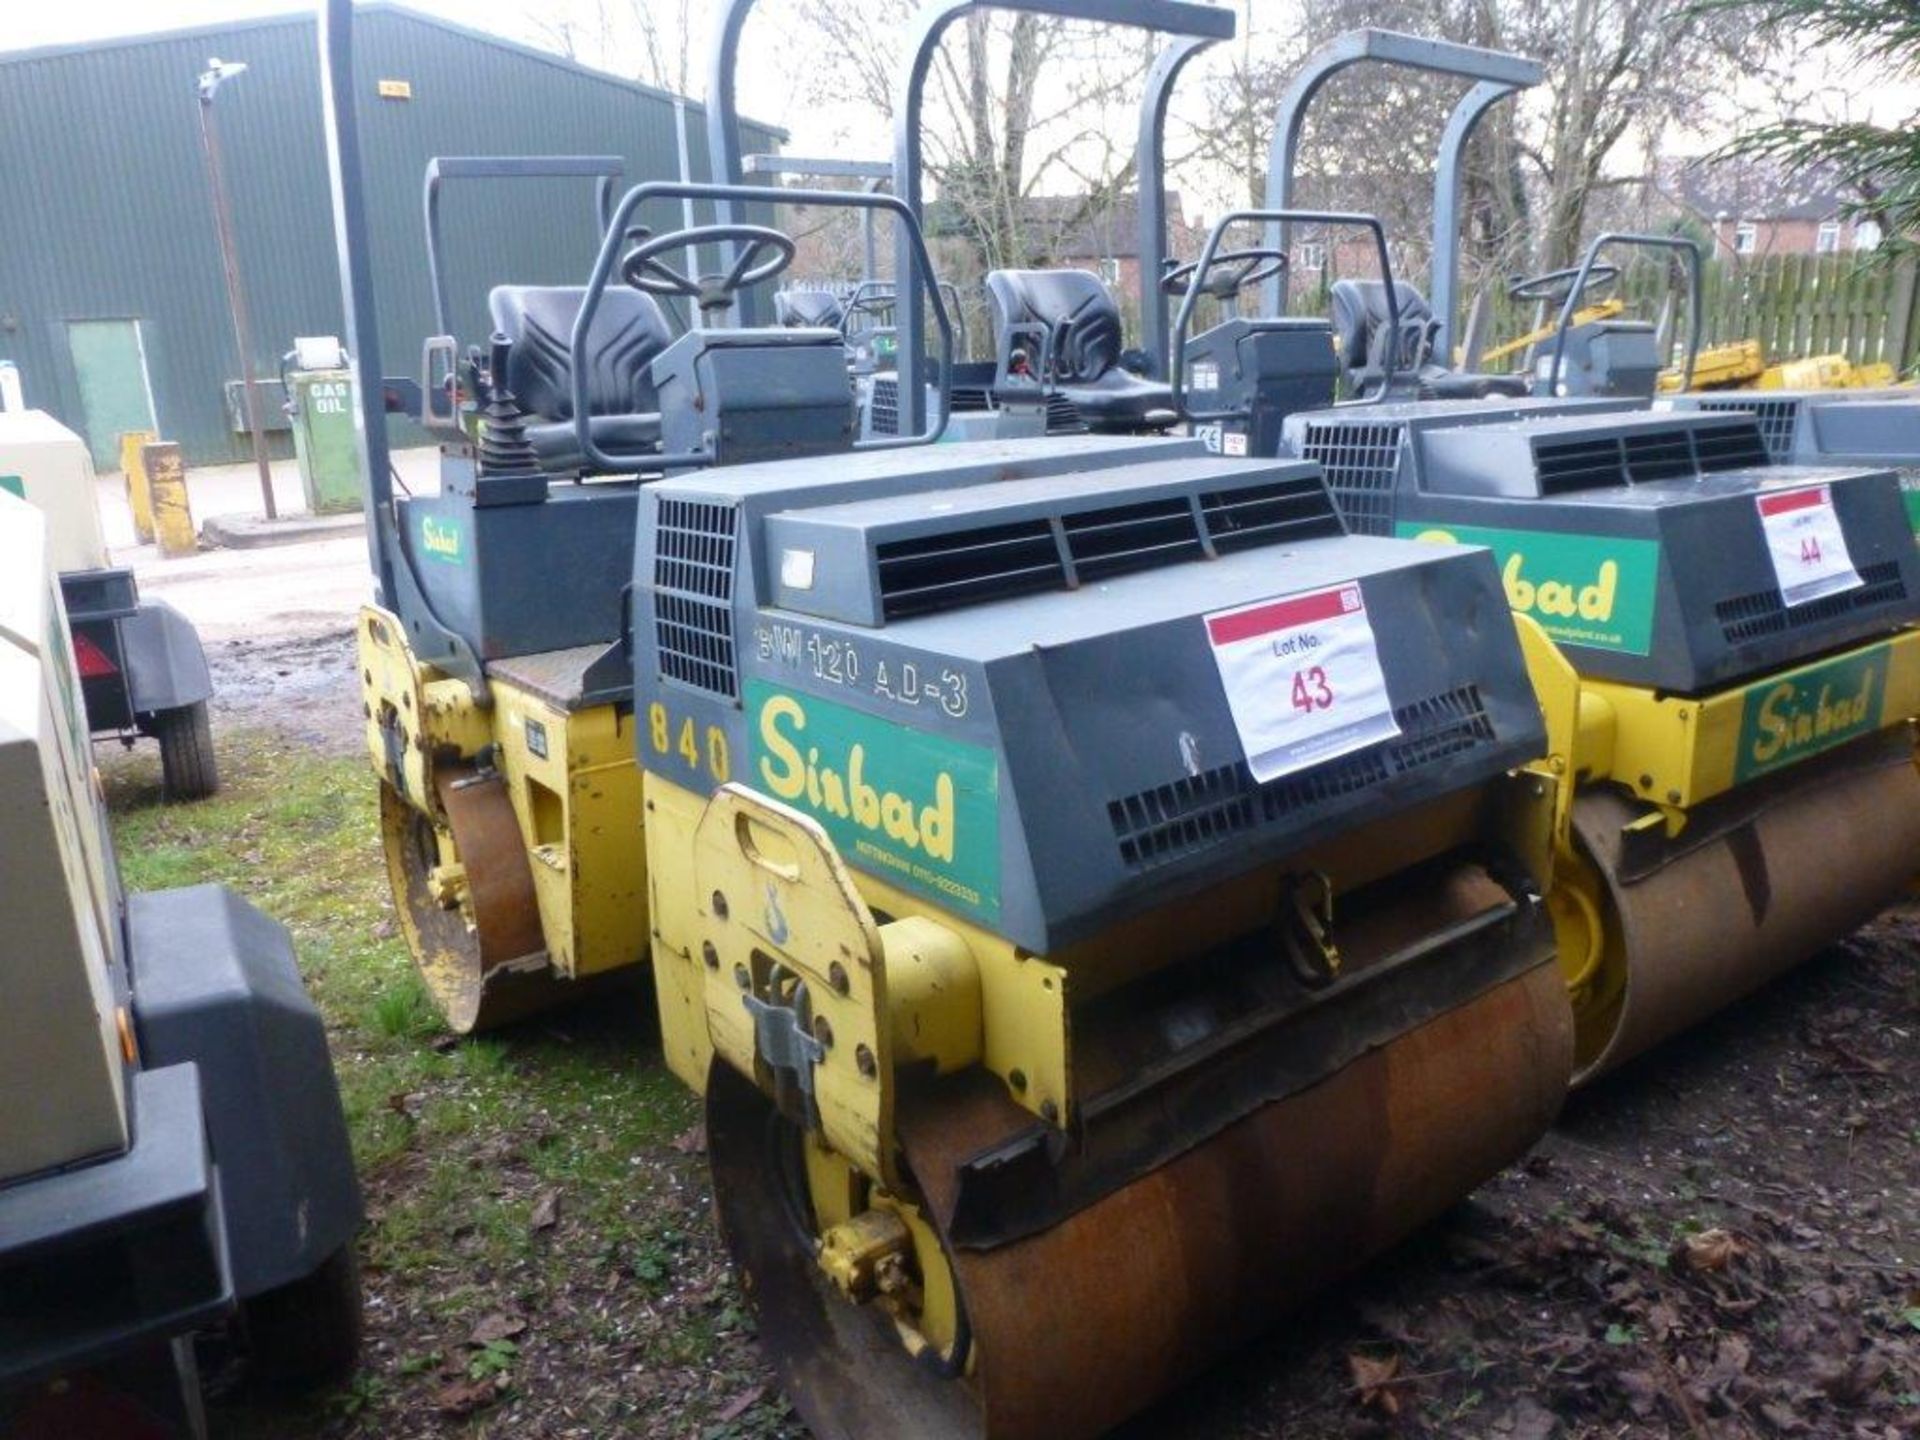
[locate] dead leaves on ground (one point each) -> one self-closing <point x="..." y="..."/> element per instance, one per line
<point x="1374" y="1382"/>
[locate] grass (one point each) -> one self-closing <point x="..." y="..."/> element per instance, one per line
<point x="458" y="1144"/>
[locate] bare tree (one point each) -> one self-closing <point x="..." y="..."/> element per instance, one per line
<point x="1620" y="74"/>
<point x="1016" y="105"/>
<point x="653" y="41"/>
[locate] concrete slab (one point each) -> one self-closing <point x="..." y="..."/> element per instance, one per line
<point x="249" y="597"/>
<point x="218" y="491"/>
<point x="251" y="532"/>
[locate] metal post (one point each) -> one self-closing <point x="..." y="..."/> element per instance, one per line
<point x="874" y="175"/>
<point x="1388" y="47"/>
<point x="1150" y="171"/>
<point x="1445" y="272"/>
<point x="687" y="217"/>
<point x="723" y="136"/>
<point x="352" y="242"/>
<point x="1175" y="17"/>
<point x="216" y="73"/>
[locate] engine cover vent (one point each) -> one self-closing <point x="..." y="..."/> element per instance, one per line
<point x="693" y="595"/>
<point x="1361" y="459"/>
<point x="1749" y="617"/>
<point x="1778" y="422"/>
<point x="1169" y="821"/>
<point x="971" y="564"/>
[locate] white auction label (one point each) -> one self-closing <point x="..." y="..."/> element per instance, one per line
<point x="1303" y="678"/>
<point x="1804" y="538"/>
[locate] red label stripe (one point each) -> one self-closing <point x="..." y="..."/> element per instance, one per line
<point x="1793" y="500"/>
<point x="1287" y="614"/>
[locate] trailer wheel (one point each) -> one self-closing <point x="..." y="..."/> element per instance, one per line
<point x="307" y="1332"/>
<point x="187" y="766"/>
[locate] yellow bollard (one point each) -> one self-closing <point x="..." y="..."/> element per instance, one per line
<point x="167" y="480"/>
<point x="139" y="496"/>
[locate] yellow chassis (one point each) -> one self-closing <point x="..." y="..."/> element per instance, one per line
<point x="570" y="775"/>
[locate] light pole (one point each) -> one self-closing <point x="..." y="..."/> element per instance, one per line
<point x="218" y="72"/>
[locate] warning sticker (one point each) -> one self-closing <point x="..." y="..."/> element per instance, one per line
<point x="1804" y="538"/>
<point x="1303" y="678"/>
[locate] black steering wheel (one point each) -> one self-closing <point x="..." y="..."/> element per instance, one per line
<point x="1553" y="286"/>
<point x="1228" y="273"/>
<point x="643" y="268"/>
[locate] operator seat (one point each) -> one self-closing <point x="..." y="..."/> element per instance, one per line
<point x="1360" y="325"/>
<point x="808" y="309"/>
<point x="628" y="330"/>
<point x="1083" y="320"/>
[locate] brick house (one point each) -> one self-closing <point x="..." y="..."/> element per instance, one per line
<point x="1757" y="208"/>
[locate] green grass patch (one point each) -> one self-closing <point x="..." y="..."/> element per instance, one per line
<point x="466" y="1149"/>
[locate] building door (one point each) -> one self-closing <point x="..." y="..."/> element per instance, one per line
<point x="110" y="364"/>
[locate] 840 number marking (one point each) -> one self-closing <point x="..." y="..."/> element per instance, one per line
<point x="688" y="744"/>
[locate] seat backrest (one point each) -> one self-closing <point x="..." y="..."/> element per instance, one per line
<point x="629" y="329"/>
<point x="1360" y="321"/>
<point x="808" y="309"/>
<point x="1075" y="307"/>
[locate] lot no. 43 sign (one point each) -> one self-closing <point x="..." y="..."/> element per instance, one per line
<point x="1804" y="539"/>
<point x="1303" y="679"/>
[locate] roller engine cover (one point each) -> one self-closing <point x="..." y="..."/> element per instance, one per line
<point x="1639" y="540"/>
<point x="993" y="679"/>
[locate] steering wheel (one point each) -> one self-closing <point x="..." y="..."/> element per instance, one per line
<point x="1228" y="273"/>
<point x="643" y="268"/>
<point x="1553" y="286"/>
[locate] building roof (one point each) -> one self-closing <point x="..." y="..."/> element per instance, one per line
<point x="1072" y="226"/>
<point x="1758" y="190"/>
<point x="304" y="16"/>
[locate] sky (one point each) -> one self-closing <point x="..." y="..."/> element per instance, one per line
<point x="768" y="83"/>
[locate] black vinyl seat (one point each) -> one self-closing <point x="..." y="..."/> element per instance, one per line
<point x="629" y="330"/>
<point x="1081" y="316"/>
<point x="1360" y="326"/>
<point x="808" y="309"/>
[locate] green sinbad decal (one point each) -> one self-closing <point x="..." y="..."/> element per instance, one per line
<point x="1909" y="492"/>
<point x="443" y="540"/>
<point x="918" y="810"/>
<point x="14" y="485"/>
<point x="1793" y="716"/>
<point x="1591" y="590"/>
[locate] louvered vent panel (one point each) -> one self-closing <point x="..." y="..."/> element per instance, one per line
<point x="1168" y="822"/>
<point x="693" y="595"/>
<point x="1361" y="459"/>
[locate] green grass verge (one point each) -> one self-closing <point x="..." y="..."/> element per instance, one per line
<point x="462" y="1146"/>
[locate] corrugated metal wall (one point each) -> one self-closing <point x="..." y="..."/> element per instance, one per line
<point x="105" y="211"/>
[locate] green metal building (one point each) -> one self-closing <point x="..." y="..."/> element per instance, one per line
<point x="111" y="296"/>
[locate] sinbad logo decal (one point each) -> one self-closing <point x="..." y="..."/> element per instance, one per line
<point x="1797" y="715"/>
<point x="442" y="540"/>
<point x="1583" y="589"/>
<point x="920" y="810"/>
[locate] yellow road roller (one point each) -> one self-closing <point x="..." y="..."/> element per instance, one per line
<point x="494" y="671"/>
<point x="1725" y="658"/>
<point x="1722" y="646"/>
<point x="1099" y="899"/>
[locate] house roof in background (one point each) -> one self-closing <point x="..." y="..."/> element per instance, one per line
<point x="1758" y="190"/>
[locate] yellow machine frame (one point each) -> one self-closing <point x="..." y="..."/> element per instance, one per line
<point x="575" y="791"/>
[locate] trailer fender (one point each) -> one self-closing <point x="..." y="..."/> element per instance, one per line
<point x="215" y="982"/>
<point x="166" y="668"/>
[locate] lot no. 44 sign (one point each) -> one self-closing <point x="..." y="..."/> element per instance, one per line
<point x="1303" y="679"/>
<point x="1804" y="539"/>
